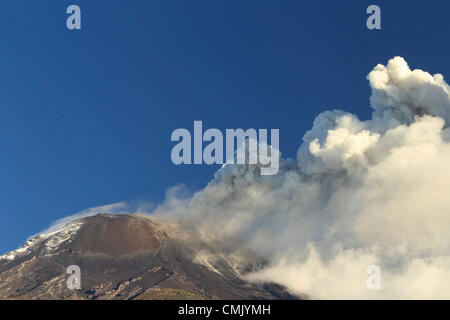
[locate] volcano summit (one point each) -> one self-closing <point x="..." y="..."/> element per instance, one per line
<point x="130" y="257"/>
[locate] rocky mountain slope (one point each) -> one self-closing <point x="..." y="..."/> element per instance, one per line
<point x="130" y="257"/>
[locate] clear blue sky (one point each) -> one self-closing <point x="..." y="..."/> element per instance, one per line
<point x="86" y="116"/>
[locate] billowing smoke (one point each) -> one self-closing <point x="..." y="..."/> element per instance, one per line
<point x="361" y="193"/>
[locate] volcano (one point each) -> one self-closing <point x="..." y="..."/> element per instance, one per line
<point x="131" y="257"/>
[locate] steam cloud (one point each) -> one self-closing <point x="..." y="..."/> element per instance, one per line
<point x="360" y="193"/>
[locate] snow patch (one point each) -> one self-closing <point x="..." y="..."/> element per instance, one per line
<point x="52" y="241"/>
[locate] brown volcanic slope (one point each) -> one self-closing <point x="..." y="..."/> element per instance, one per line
<point x="129" y="257"/>
<point x="118" y="235"/>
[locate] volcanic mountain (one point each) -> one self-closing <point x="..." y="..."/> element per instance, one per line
<point x="130" y="257"/>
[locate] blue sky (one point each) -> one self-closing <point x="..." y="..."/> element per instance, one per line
<point x="86" y="116"/>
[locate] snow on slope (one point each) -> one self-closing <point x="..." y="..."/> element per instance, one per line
<point x="51" y="241"/>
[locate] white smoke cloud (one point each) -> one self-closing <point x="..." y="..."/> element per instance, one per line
<point x="360" y="193"/>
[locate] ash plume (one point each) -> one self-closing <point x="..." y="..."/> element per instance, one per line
<point x="360" y="193"/>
